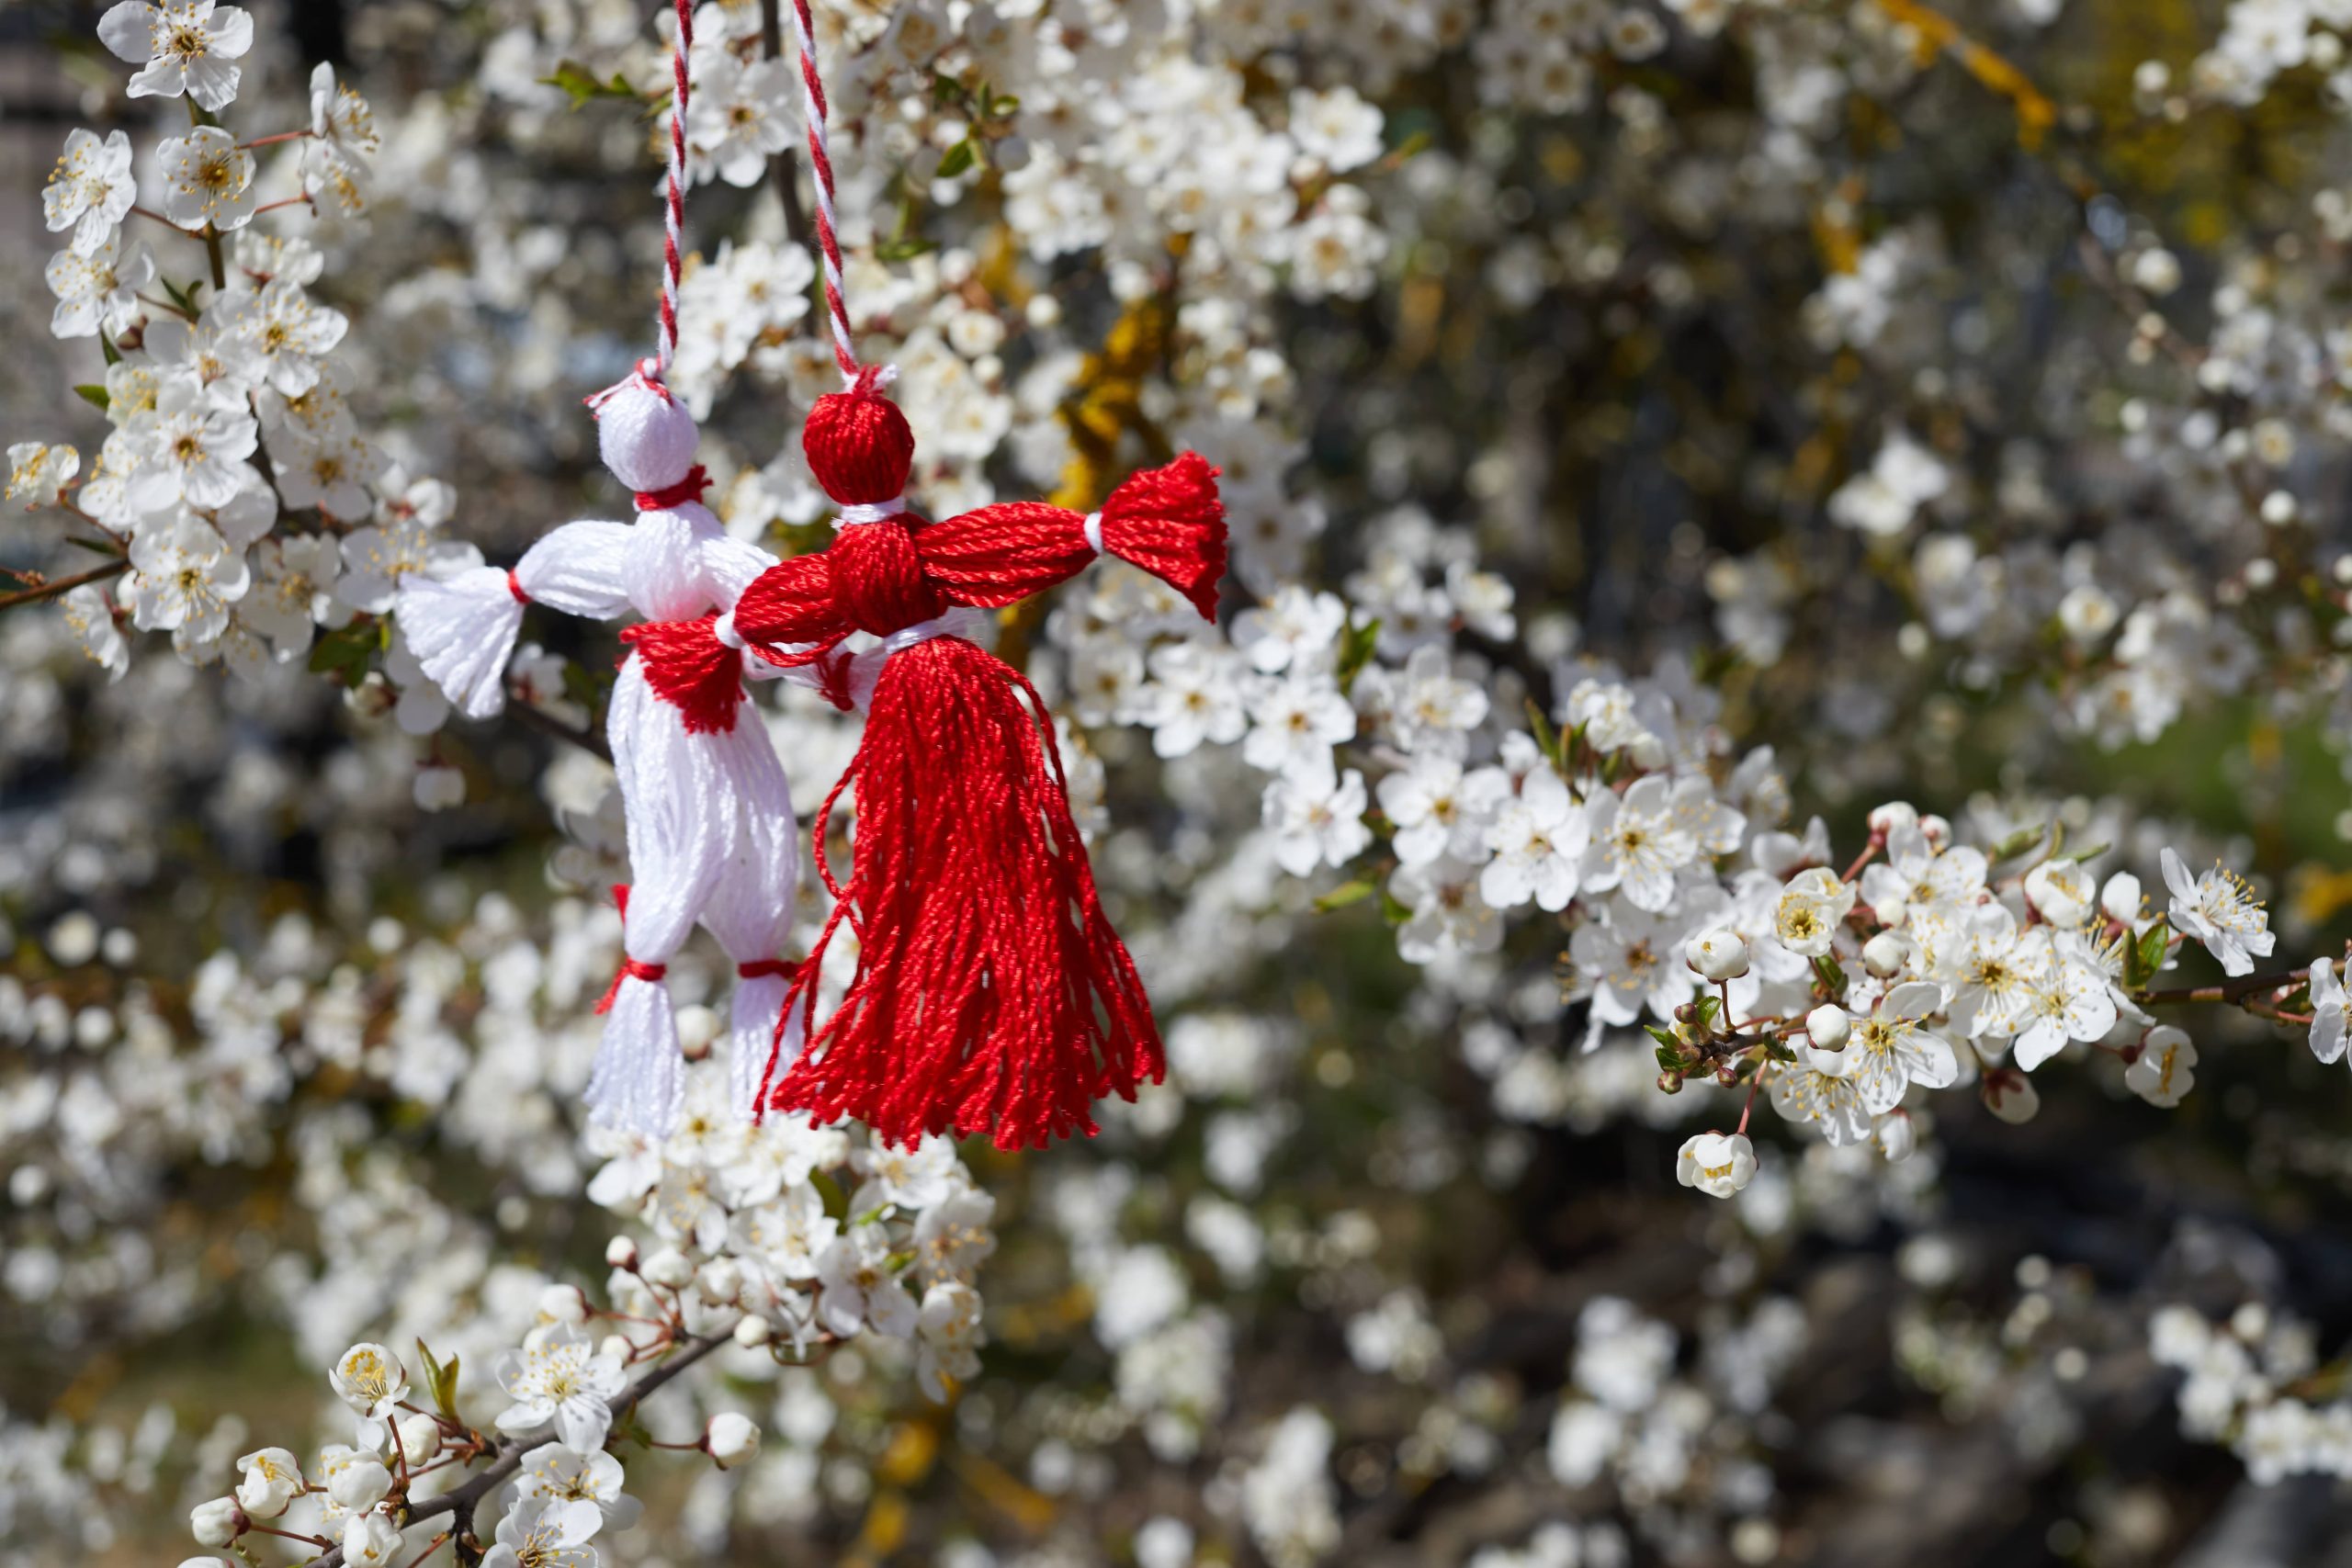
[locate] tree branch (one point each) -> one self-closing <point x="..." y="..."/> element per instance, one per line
<point x="462" y="1500"/>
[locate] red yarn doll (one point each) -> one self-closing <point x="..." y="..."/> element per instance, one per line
<point x="991" y="995"/>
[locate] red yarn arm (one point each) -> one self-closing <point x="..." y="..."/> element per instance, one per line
<point x="1171" y="521"/>
<point x="791" y="604"/>
<point x="998" y="555"/>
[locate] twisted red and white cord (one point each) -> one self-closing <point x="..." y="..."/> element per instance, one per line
<point x="673" y="212"/>
<point x="821" y="164"/>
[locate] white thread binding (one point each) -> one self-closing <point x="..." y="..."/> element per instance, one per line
<point x="869" y="511"/>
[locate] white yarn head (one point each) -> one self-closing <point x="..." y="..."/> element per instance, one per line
<point x="647" y="437"/>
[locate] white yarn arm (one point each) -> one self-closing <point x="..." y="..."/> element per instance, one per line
<point x="578" y="568"/>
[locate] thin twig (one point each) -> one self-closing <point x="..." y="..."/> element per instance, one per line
<point x="2229" y="991"/>
<point x="62" y="585"/>
<point x="548" y="724"/>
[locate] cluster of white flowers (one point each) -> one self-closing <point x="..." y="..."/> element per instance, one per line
<point x="235" y="553"/>
<point x="1655" y="1435"/>
<point x="2252" y="1381"/>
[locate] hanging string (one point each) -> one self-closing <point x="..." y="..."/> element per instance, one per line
<point x="675" y="210"/>
<point x="829" y="248"/>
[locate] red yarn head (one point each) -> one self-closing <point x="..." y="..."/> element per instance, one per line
<point x="859" y="446"/>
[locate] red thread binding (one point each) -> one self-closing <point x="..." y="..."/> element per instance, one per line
<point x="691" y="487"/>
<point x="630" y="969"/>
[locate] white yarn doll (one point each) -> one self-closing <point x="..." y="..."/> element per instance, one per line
<point x="711" y="832"/>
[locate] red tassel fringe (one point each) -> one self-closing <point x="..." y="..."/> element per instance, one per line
<point x="692" y="671"/>
<point x="991" y="995"/>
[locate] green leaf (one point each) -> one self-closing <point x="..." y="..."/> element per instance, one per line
<point x="1708" y="1008"/>
<point x="903" y="249"/>
<point x="440" y="1380"/>
<point x="1831" y="975"/>
<point x="836" y="1201"/>
<point x="346" y="652"/>
<point x="2017" y="843"/>
<point x="95" y="395"/>
<point x="2093" y="853"/>
<point x="107" y="347"/>
<point x="581" y="87"/>
<point x="960" y="157"/>
<point x="1356" y="644"/>
<point x="184" y="298"/>
<point x="1347" y="893"/>
<point x="1778" y="1049"/>
<point x="2142" y="961"/>
<point x="945" y="89"/>
<point x="1669" y="1059"/>
<point x="1392" y="909"/>
<point x="1547" y="739"/>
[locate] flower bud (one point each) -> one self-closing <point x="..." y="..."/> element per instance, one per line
<point x="360" y="1484"/>
<point x="1893" y="816"/>
<point x="1935" y="830"/>
<point x="2011" y="1095"/>
<point x="217" y="1523"/>
<point x="2120" y="899"/>
<point x="1669" y="1083"/>
<point x="564" y="1303"/>
<point x="698" y="1027"/>
<point x="668" y="1268"/>
<point x="373" y="697"/>
<point x="419" y="1436"/>
<point x="1886" y="952"/>
<point x="720" y="1281"/>
<point x="730" y="1438"/>
<point x="2062" y="891"/>
<point x="1718" y="953"/>
<point x="1826" y="1026"/>
<point x="752" y="1331"/>
<point x="1648" y="753"/>
<point x="438" y="788"/>
<point x="620" y="1253"/>
<point x="1897" y="1136"/>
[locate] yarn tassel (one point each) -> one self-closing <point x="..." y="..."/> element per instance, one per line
<point x="462" y="628"/>
<point x="984" y="951"/>
<point x="1169" y="520"/>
